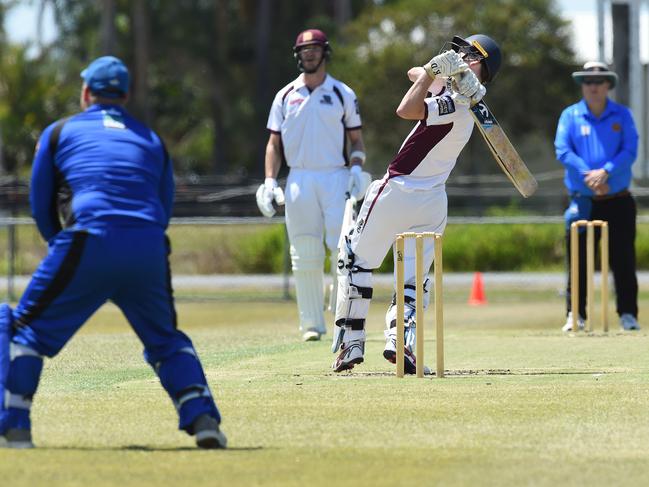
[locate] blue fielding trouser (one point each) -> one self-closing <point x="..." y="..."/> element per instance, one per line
<point x="129" y="266"/>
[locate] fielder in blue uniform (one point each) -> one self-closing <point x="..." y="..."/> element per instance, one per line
<point x="597" y="143"/>
<point x="101" y="195"/>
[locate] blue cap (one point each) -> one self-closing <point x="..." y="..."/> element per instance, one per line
<point x="107" y="76"/>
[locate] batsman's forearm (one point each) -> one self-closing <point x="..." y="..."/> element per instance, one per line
<point x="412" y="104"/>
<point x="272" y="162"/>
<point x="415" y="72"/>
<point x="356" y="145"/>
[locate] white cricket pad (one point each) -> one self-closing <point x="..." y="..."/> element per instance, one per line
<point x="333" y="288"/>
<point x="307" y="257"/>
<point x="354" y="296"/>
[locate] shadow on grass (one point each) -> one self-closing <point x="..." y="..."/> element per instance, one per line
<point x="477" y="372"/>
<point x="146" y="448"/>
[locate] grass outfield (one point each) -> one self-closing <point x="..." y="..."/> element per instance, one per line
<point x="523" y="404"/>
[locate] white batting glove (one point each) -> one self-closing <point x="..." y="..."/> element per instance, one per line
<point x="266" y="193"/>
<point x="359" y="180"/>
<point x="446" y="64"/>
<point x="461" y="100"/>
<point x="468" y="85"/>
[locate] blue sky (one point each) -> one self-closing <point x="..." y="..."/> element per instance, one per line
<point x="21" y="26"/>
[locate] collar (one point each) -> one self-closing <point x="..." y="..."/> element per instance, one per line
<point x="105" y="106"/>
<point x="611" y="108"/>
<point x="327" y="84"/>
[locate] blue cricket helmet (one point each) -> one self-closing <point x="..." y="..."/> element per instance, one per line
<point x="485" y="48"/>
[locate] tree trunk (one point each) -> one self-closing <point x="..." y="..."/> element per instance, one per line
<point x="342" y="12"/>
<point x="141" y="38"/>
<point x="219" y="83"/>
<point x="262" y="53"/>
<point x="2" y="159"/>
<point x="621" y="28"/>
<point x="107" y="26"/>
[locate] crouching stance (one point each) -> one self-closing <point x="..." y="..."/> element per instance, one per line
<point x="411" y="197"/>
<point x="114" y="182"/>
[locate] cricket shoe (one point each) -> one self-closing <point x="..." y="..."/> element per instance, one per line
<point x="208" y="434"/>
<point x="629" y="322"/>
<point x="568" y="326"/>
<point x="312" y="335"/>
<point x="390" y="352"/>
<point x="17" y="438"/>
<point x="351" y="353"/>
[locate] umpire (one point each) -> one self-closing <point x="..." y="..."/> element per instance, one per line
<point x="111" y="180"/>
<point x="597" y="142"/>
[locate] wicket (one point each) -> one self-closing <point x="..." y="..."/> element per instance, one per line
<point x="419" y="284"/>
<point x="590" y="271"/>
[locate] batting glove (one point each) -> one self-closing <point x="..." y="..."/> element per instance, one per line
<point x="446" y="64"/>
<point x="468" y="85"/>
<point x="359" y="180"/>
<point x="461" y="99"/>
<point x="266" y="193"/>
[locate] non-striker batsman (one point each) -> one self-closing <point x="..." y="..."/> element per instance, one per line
<point x="411" y="197"/>
<point x="112" y="181"/>
<point x="315" y="125"/>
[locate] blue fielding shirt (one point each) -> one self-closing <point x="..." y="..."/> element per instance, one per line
<point x="108" y="170"/>
<point x="585" y="142"/>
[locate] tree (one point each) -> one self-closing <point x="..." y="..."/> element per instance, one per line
<point x="30" y="99"/>
<point x="530" y="91"/>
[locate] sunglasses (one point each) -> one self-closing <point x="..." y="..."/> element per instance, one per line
<point x="594" y="81"/>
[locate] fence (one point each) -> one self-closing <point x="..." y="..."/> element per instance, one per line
<point x="23" y="254"/>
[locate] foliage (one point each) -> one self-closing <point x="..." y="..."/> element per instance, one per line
<point x="530" y="91"/>
<point x="31" y="97"/>
<point x="261" y="249"/>
<point x="214" y="66"/>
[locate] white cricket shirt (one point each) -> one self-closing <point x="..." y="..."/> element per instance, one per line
<point x="312" y="124"/>
<point x="429" y="153"/>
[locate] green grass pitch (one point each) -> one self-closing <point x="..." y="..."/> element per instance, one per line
<point x="523" y="404"/>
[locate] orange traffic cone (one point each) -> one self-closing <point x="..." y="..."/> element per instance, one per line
<point x="477" y="297"/>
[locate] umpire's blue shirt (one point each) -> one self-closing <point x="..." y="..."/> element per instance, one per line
<point x="585" y="142"/>
<point x="107" y="169"/>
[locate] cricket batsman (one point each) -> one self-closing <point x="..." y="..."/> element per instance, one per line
<point x="315" y="126"/>
<point x="411" y="197"/>
<point x="111" y="179"/>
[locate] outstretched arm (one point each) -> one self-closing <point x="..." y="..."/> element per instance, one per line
<point x="412" y="106"/>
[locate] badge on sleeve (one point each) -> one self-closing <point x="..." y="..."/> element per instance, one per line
<point x="445" y="105"/>
<point x="616" y="127"/>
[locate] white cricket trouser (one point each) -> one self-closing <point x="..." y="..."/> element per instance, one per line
<point x="387" y="210"/>
<point x="315" y="203"/>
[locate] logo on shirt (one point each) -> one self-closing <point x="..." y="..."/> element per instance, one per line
<point x="585" y="130"/>
<point x="445" y="105"/>
<point x="113" y="119"/>
<point x="359" y="225"/>
<point x="358" y="109"/>
<point x="326" y="100"/>
<point x="616" y="127"/>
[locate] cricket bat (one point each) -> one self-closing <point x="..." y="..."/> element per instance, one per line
<point x="349" y="220"/>
<point x="503" y="150"/>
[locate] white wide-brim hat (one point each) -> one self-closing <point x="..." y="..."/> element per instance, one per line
<point x="595" y="69"/>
